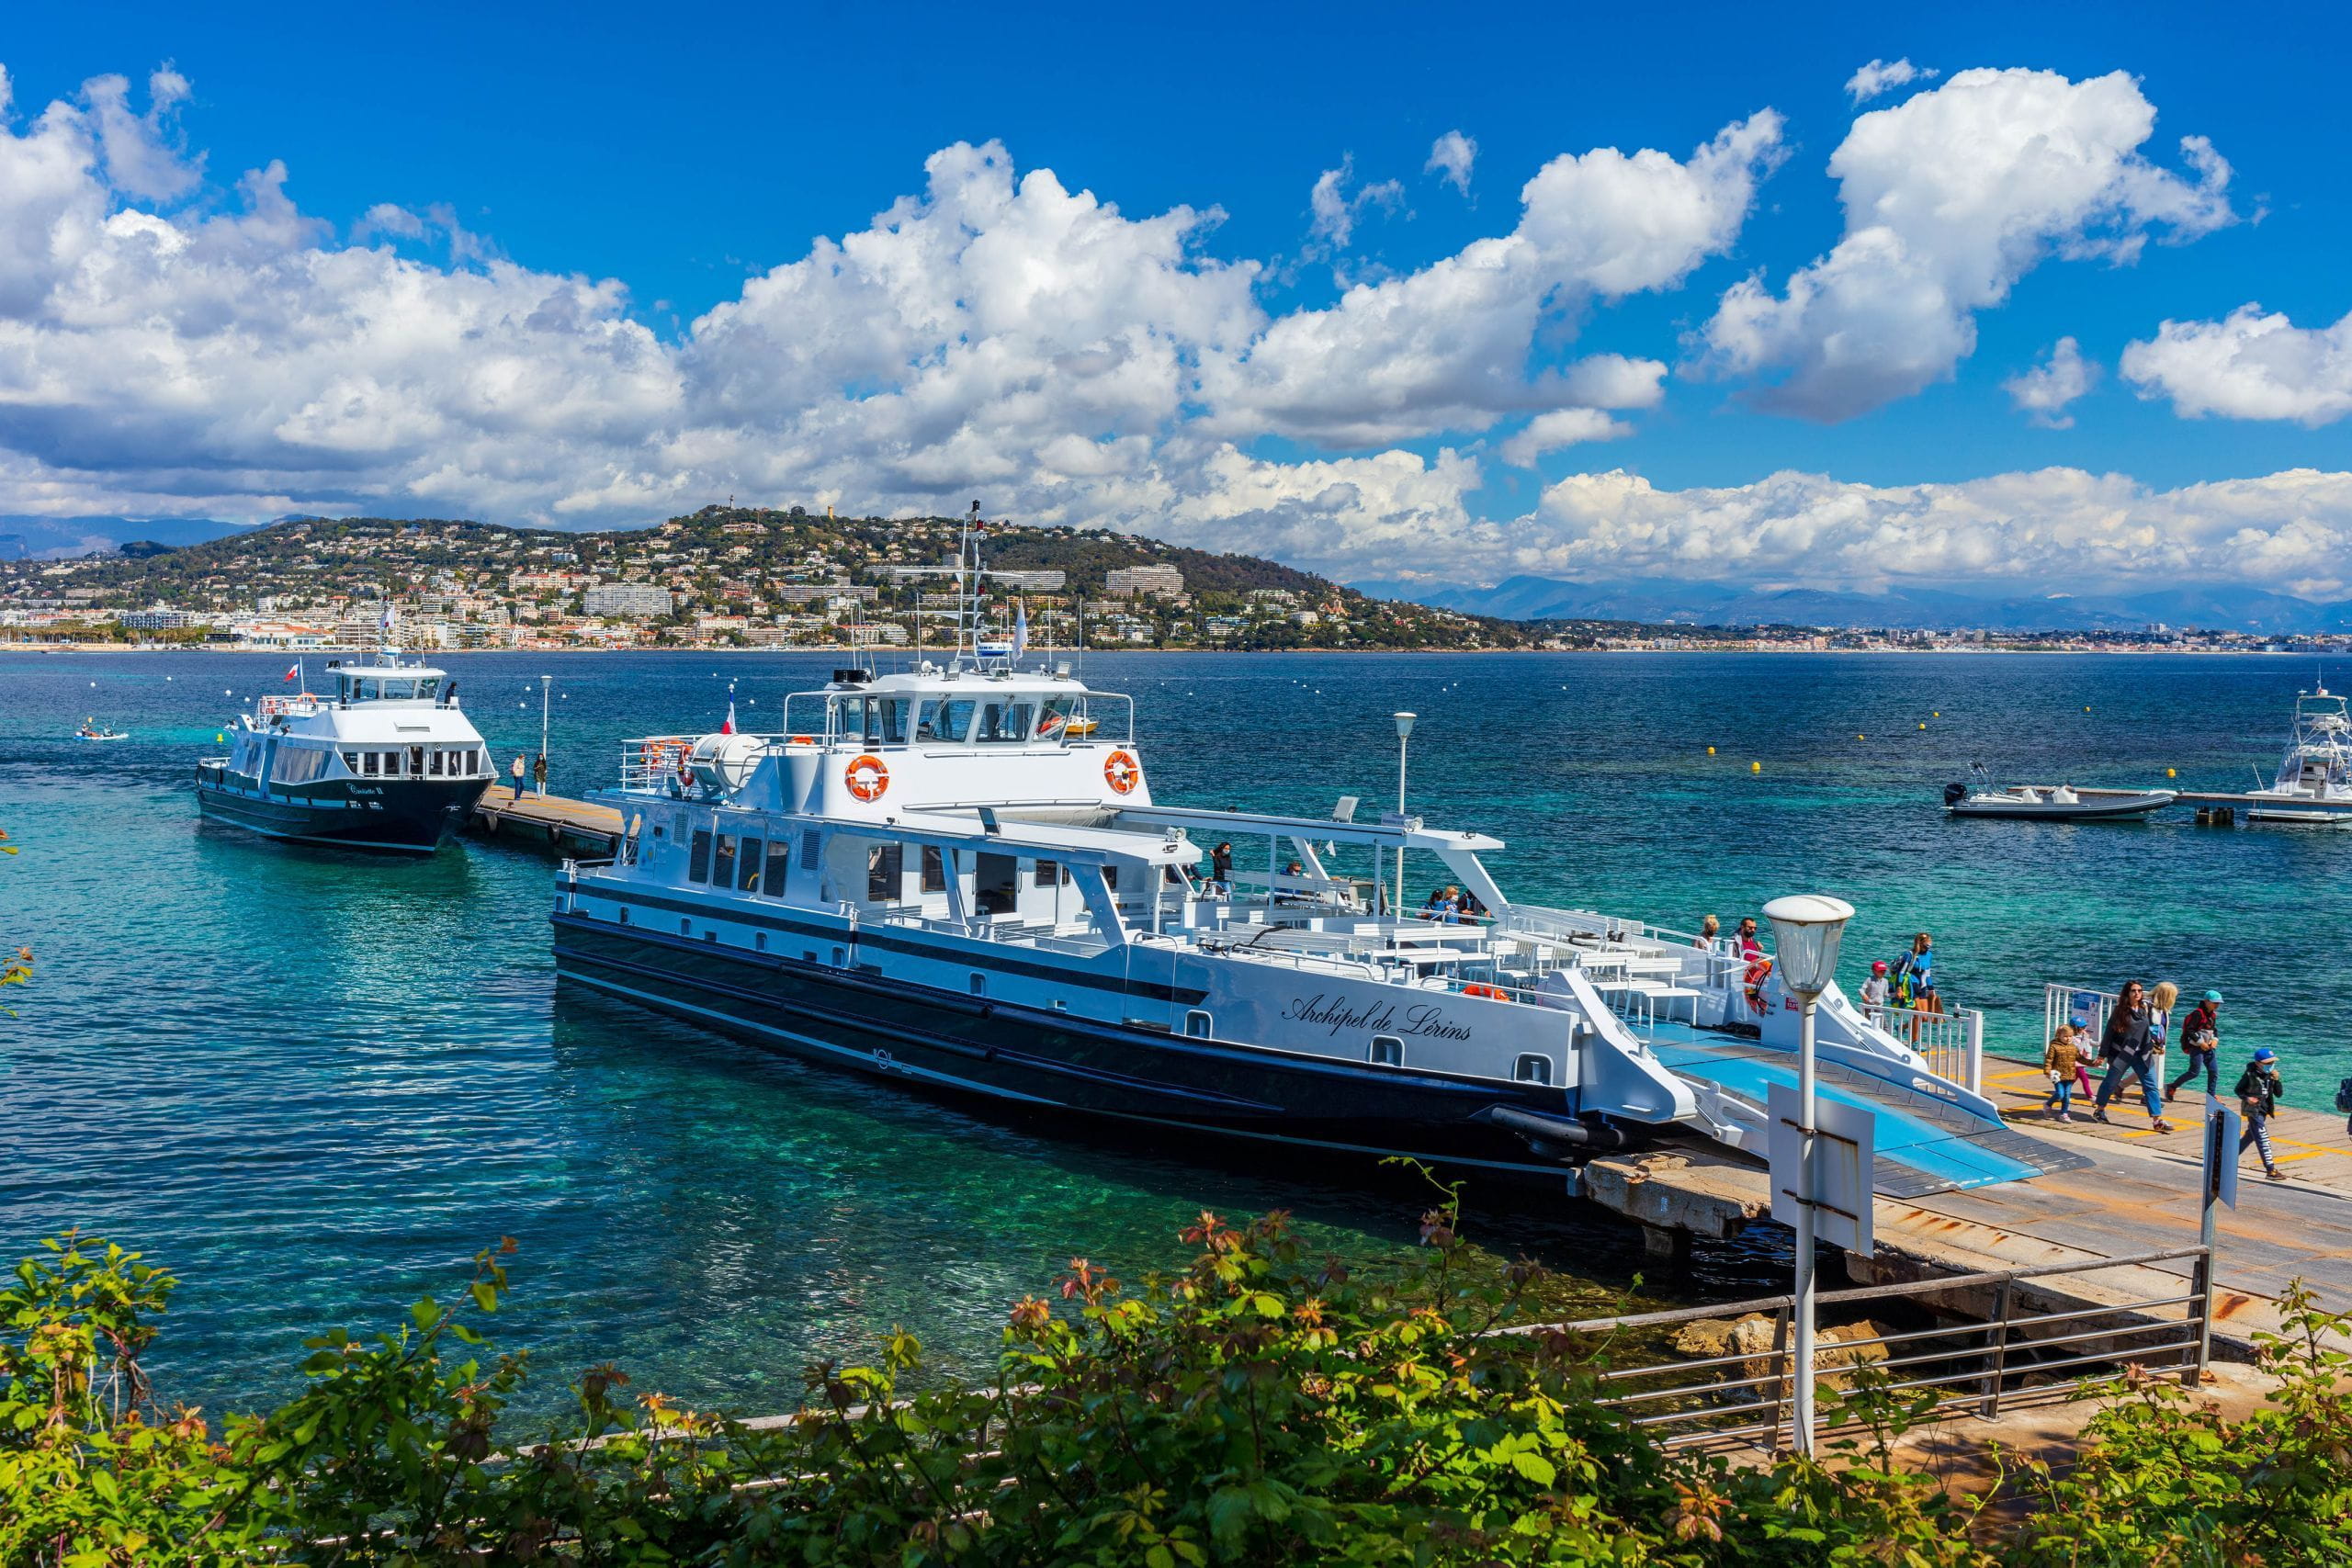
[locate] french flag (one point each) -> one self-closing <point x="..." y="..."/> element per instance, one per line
<point x="293" y="671"/>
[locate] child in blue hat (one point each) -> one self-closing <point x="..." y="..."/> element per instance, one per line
<point x="2258" y="1090"/>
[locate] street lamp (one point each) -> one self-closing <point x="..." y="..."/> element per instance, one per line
<point x="545" y="681"/>
<point x="1404" y="740"/>
<point x="1807" y="929"/>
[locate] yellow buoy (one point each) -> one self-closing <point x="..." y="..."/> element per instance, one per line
<point x="1923" y="726"/>
<point x="1710" y="750"/>
<point x="2171" y="774"/>
<point x="1755" y="767"/>
<point x="1936" y="712"/>
<point x="2087" y="707"/>
<point x="1857" y="738"/>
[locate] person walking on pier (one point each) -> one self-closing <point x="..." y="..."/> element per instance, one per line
<point x="2129" y="1047"/>
<point x="2201" y="1042"/>
<point x="2160" y="1001"/>
<point x="540" y="775"/>
<point x="2258" y="1090"/>
<point x="2061" y="1061"/>
<point x="516" y="773"/>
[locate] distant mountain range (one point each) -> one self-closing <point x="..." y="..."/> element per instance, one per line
<point x="55" y="538"/>
<point x="1658" y="601"/>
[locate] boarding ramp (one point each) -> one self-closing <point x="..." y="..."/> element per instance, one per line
<point x="1933" y="1132"/>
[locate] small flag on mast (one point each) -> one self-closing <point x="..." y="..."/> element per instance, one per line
<point x="1021" y="630"/>
<point x="293" y="670"/>
<point x="728" y="728"/>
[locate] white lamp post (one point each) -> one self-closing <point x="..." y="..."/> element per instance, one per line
<point x="1404" y="740"/>
<point x="545" y="681"/>
<point x="1807" y="929"/>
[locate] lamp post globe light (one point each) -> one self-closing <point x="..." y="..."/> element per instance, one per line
<point x="1807" y="930"/>
<point x="1404" y="740"/>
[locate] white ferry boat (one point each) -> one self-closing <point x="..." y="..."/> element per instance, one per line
<point x="2313" y="784"/>
<point x="959" y="877"/>
<point x="387" y="761"/>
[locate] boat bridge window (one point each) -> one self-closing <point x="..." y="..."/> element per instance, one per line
<point x="751" y="882"/>
<point x="722" y="865"/>
<point x="953" y="721"/>
<point x="698" y="857"/>
<point x="399" y="691"/>
<point x="883" y="872"/>
<point x="1005" y="721"/>
<point x="875" y="720"/>
<point x="934" y="870"/>
<point x="416" y="761"/>
<point x="1050" y="874"/>
<point x="779" y="861"/>
<point x="1055" y="717"/>
<point x="351" y="761"/>
<point x="1199" y="1025"/>
<point x="1533" y="1068"/>
<point x="1388" y="1051"/>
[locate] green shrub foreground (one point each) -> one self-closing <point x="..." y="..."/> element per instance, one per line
<point x="1262" y="1406"/>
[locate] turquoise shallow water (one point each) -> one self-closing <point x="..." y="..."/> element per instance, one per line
<point x="315" y="1083"/>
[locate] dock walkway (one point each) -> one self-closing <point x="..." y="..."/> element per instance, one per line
<point x="2139" y="1192"/>
<point x="548" y="820"/>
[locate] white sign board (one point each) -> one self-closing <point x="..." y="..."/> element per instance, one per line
<point x="1844" y="1165"/>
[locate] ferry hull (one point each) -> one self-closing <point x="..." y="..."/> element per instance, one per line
<point x="1042" y="1059"/>
<point x="413" y="817"/>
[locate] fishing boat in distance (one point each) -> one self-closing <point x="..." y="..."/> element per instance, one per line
<point x="93" y="730"/>
<point x="957" y="876"/>
<point x="2313" y="784"/>
<point x="385" y="762"/>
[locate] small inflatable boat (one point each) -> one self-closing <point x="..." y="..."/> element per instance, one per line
<point x="2059" y="805"/>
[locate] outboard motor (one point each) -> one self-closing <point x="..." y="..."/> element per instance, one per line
<point x="1954" y="793"/>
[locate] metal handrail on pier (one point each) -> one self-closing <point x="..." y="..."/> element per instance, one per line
<point x="1974" y="1367"/>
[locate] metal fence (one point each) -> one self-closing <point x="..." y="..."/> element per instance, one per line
<point x="1953" y="1043"/>
<point x="2079" y="1005"/>
<point x="2036" y="1343"/>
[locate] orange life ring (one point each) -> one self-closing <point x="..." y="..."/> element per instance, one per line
<point x="801" y="740"/>
<point x="1475" y="990"/>
<point x="1122" y="771"/>
<point x="866" y="777"/>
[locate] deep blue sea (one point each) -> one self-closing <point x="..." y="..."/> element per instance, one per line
<point x="314" y="1083"/>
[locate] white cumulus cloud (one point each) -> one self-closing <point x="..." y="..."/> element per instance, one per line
<point x="2044" y="393"/>
<point x="1951" y="196"/>
<point x="1450" y="156"/>
<point x="1885" y="76"/>
<point x="2249" y="365"/>
<point x="1561" y="427"/>
<point x="1446" y="348"/>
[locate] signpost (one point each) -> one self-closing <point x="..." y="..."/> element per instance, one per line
<point x="2219" y="1186"/>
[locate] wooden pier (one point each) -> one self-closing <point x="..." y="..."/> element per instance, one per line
<point x="546" y="821"/>
<point x="2140" y="1193"/>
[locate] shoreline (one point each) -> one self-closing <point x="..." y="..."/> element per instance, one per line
<point x="841" y="651"/>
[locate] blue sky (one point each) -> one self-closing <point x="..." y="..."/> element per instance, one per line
<point x="680" y="154"/>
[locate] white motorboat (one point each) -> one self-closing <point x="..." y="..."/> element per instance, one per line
<point x="2314" y="784"/>
<point x="2062" y="802"/>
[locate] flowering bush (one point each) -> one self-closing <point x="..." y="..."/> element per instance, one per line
<point x="1261" y="1406"/>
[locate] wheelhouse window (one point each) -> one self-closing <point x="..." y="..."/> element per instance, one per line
<point x="955" y="717"/>
<point x="434" y="763"/>
<point x="1054" y="718"/>
<point x="722" y="865"/>
<point x="751" y="874"/>
<point x="698" y="857"/>
<point x="996" y="881"/>
<point x="428" y="686"/>
<point x="369" y="765"/>
<point x="1533" y="1068"/>
<point x="399" y="691"/>
<point x="779" y="865"/>
<point x="363" y="690"/>
<point x="1049" y="873"/>
<point x="1388" y="1051"/>
<point x="883" y="872"/>
<point x="351" y="761"/>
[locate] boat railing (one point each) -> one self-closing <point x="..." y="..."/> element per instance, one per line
<point x="299" y="705"/>
<point x="1952" y="1044"/>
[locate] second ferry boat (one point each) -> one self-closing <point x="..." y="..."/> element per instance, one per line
<point x="386" y="760"/>
<point x="958" y="876"/>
